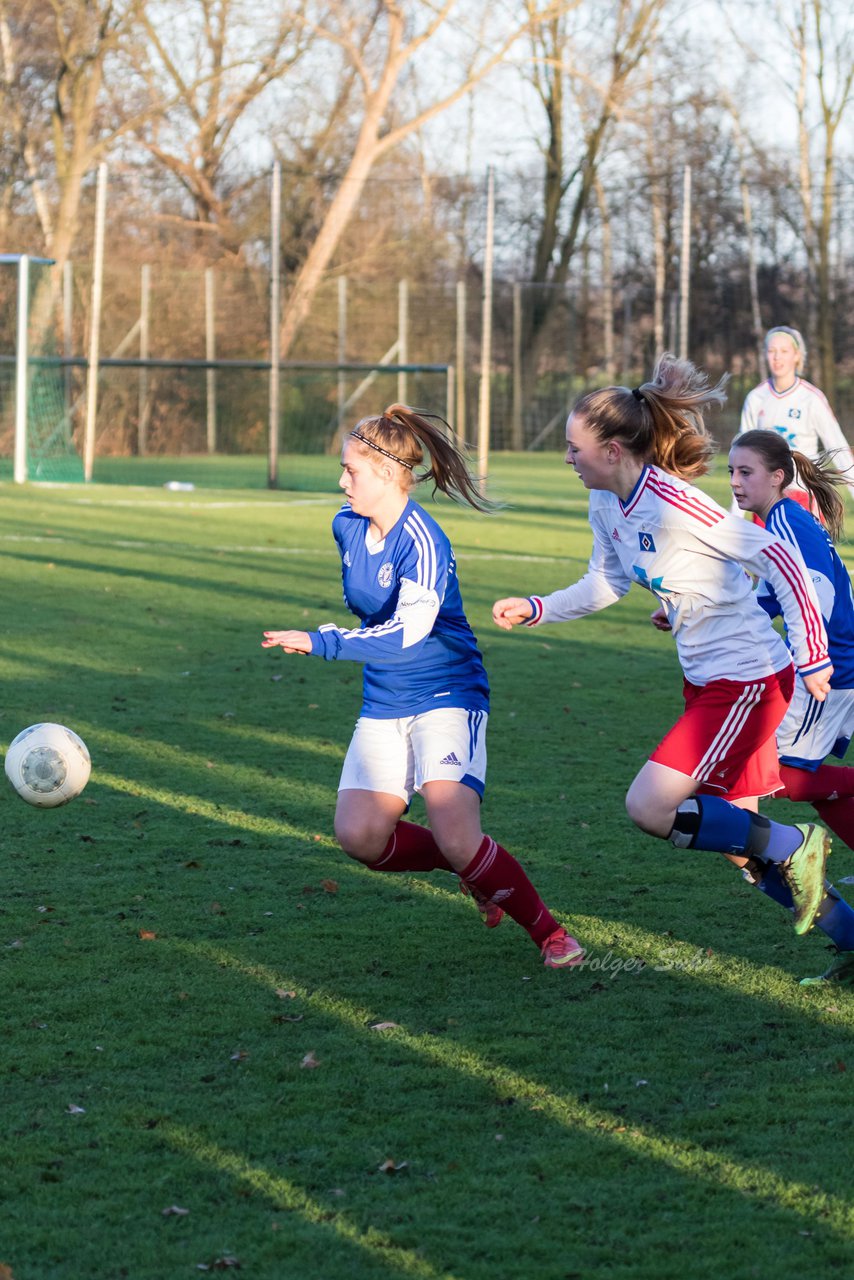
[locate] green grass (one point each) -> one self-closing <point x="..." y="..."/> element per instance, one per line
<point x="675" y="1109"/>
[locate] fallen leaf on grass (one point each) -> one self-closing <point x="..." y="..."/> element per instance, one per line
<point x="285" y="995"/>
<point x="174" y="1211"/>
<point x="309" y="1061"/>
<point x="384" y="1026"/>
<point x="331" y="886"/>
<point x="146" y="935"/>
<point x="389" y="1166"/>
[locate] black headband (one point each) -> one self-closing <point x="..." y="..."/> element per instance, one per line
<point x="357" y="435"/>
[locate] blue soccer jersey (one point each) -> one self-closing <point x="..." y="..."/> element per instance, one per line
<point x="791" y="523"/>
<point x="415" y="641"/>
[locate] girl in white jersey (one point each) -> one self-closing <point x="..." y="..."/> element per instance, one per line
<point x="638" y="450"/>
<point x="798" y="411"/>
<point x="425" y="697"/>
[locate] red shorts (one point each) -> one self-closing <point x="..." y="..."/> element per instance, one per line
<point x="725" y="736"/>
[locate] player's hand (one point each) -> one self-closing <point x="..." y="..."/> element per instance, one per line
<point x="508" y="613"/>
<point x="658" y="618"/>
<point x="290" y="641"/>
<point x="818" y="683"/>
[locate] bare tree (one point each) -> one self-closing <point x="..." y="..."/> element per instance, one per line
<point x="571" y="163"/>
<point x="822" y="39"/>
<point x="203" y="65"/>
<point x="379" y="43"/>
<point x="812" y="61"/>
<point x="63" y="121"/>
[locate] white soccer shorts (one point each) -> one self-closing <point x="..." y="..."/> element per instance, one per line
<point x="812" y="730"/>
<point x="399" y="756"/>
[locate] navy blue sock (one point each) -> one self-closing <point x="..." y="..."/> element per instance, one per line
<point x="835" y="917"/>
<point x="710" y="822"/>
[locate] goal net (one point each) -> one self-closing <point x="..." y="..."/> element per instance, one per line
<point x="37" y="408"/>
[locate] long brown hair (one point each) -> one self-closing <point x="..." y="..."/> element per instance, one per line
<point x="820" y="479"/>
<point x="660" y="421"/>
<point x="405" y="435"/>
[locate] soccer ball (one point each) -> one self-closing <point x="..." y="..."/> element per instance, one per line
<point x="48" y="765"/>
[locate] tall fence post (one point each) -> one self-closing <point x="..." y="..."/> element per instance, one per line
<point x="210" y="356"/>
<point x="402" y="337"/>
<point x="22" y="369"/>
<point x="516" y="418"/>
<point x="484" y="404"/>
<point x="685" y="265"/>
<point x="67" y="332"/>
<point x="460" y="415"/>
<point x="144" y="413"/>
<point x="95" y="325"/>
<point x="275" y="345"/>
<point x="342" y="349"/>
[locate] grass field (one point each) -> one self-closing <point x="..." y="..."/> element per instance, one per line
<point x="226" y="1046"/>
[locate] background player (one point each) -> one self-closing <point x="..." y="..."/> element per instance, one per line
<point x="790" y="405"/>
<point x="637" y="450"/>
<point x="422" y="726"/>
<point x="761" y="469"/>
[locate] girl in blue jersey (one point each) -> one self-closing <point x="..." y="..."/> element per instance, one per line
<point x="762" y="466"/>
<point x="637" y="451"/>
<point x="422" y="726"/>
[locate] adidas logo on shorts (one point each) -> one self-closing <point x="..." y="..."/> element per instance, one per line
<point x="451" y="759"/>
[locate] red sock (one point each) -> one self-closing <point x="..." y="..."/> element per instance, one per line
<point x="830" y="790"/>
<point x="828" y="782"/>
<point x="499" y="877"/>
<point x="411" y="848"/>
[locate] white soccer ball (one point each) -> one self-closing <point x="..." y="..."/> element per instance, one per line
<point x="48" y="765"/>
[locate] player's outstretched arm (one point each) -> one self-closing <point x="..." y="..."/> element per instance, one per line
<point x="509" y="613"/>
<point x="290" y="641"/>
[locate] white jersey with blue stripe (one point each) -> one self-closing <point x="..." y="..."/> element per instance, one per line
<point x="675" y="541"/>
<point x="415" y="641"/>
<point x="789" y="522"/>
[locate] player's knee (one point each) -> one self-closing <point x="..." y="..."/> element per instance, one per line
<point x="647" y="815"/>
<point x="359" y="840"/>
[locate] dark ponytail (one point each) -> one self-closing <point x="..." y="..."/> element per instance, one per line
<point x="820" y="479"/>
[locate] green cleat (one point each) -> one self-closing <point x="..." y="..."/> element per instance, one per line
<point x="840" y="971"/>
<point x="804" y="874"/>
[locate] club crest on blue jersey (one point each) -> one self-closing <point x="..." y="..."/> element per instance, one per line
<point x="645" y="541"/>
<point x="385" y="574"/>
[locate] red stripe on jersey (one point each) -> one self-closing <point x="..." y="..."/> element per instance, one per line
<point x="692" y="506"/>
<point x="811" y="617"/>
<point x="636" y="499"/>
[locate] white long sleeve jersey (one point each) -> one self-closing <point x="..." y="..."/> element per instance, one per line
<point x="675" y="541"/>
<point x="805" y="420"/>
